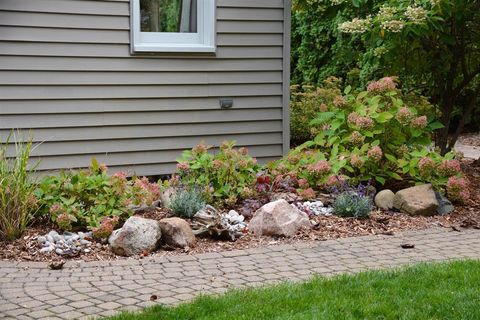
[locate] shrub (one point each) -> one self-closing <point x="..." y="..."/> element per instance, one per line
<point x="17" y="201"/>
<point x="306" y="102"/>
<point x="352" y="204"/>
<point x="380" y="134"/>
<point x="186" y="203"/>
<point x="79" y="199"/>
<point x="225" y="177"/>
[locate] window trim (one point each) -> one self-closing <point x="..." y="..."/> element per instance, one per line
<point x="201" y="42"/>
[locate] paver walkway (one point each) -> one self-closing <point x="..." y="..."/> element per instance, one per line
<point x="31" y="290"/>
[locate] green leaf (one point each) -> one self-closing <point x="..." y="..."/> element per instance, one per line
<point x="347" y="90"/>
<point x="380" y="180"/>
<point x="384" y="117"/>
<point x="322" y="117"/>
<point x="391" y="158"/>
<point x="435" y="125"/>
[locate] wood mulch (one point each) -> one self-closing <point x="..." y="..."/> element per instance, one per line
<point x="331" y="227"/>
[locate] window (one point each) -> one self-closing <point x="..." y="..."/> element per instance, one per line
<point x="173" y="25"/>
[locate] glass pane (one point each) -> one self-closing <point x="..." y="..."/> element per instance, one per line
<point x="168" y="16"/>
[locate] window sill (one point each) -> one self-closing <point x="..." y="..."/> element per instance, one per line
<point x="151" y="48"/>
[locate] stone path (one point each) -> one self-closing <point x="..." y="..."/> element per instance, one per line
<point x="32" y="291"/>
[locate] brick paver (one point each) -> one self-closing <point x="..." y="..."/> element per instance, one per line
<point x="85" y="289"/>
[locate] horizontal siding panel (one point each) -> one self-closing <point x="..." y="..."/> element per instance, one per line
<point x="250" y="14"/>
<point x="166" y="168"/>
<point x="250" y="40"/>
<point x="136" y="78"/>
<point x="130" y="158"/>
<point x="33" y="34"/>
<point x="148" y="131"/>
<point x="140" y="64"/>
<point x="87" y="7"/>
<point x="251" y="3"/>
<point x="146" y="144"/>
<point x="137" y="118"/>
<point x="141" y="91"/>
<point x="54" y="20"/>
<point x="123" y="50"/>
<point x="250" y="27"/>
<point x="32" y="107"/>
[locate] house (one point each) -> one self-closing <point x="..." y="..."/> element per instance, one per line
<point x="133" y="83"/>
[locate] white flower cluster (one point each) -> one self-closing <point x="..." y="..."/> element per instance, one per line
<point x="435" y="2"/>
<point x="393" y="25"/>
<point x="337" y="2"/>
<point x="417" y="15"/>
<point x="386" y="13"/>
<point x="380" y="51"/>
<point x="356" y="25"/>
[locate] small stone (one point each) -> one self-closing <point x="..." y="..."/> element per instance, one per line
<point x="47" y="249"/>
<point x="81" y="235"/>
<point x="384" y="199"/>
<point x="75" y="237"/>
<point x="86" y="250"/>
<point x="41" y="240"/>
<point x="57" y="237"/>
<point x="53" y="233"/>
<point x="59" y="251"/>
<point x="84" y="242"/>
<point x="50" y="238"/>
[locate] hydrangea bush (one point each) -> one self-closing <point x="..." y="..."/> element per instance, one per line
<point x="93" y="199"/>
<point x="380" y="134"/>
<point x="223" y="177"/>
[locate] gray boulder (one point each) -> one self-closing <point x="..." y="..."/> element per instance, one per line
<point x="177" y="233"/>
<point x="278" y="218"/>
<point x="384" y="199"/>
<point x="136" y="236"/>
<point x="445" y="207"/>
<point x="418" y="200"/>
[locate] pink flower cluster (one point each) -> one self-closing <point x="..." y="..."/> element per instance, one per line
<point x="382" y="85"/>
<point x="356" y="161"/>
<point x="320" y="168"/>
<point x="449" y="168"/>
<point x="183" y="167"/>
<point x="426" y="166"/>
<point x="419" y="122"/>
<point x="457" y="189"/>
<point x="364" y="122"/>
<point x="335" y="181"/>
<point x="200" y="148"/>
<point x="404" y="116"/>
<point x="352" y="118"/>
<point x="323" y="107"/>
<point x="307" y="194"/>
<point x="357" y="138"/>
<point x="375" y="153"/>
<point x="339" y="101"/>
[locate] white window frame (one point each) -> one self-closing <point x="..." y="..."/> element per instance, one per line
<point x="201" y="42"/>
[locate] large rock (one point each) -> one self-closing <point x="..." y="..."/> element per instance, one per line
<point x="384" y="199"/>
<point x="445" y="207"/>
<point x="418" y="200"/>
<point x="177" y="233"/>
<point x="278" y="218"/>
<point x="136" y="236"/>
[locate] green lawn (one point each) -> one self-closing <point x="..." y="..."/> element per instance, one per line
<point x="438" y="291"/>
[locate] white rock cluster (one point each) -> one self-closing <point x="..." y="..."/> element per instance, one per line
<point x="315" y="208"/>
<point x="233" y="222"/>
<point x="68" y="243"/>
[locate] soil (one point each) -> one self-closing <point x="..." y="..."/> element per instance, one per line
<point x="331" y="227"/>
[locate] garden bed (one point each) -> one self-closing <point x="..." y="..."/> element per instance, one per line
<point x="326" y="227"/>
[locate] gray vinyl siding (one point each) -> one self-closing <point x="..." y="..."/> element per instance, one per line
<point x="67" y="76"/>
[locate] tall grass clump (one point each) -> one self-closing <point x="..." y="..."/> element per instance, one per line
<point x="17" y="201"/>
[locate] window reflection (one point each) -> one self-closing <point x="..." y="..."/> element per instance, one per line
<point x="168" y="16"/>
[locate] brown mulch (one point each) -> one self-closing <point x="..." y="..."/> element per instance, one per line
<point x="332" y="227"/>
